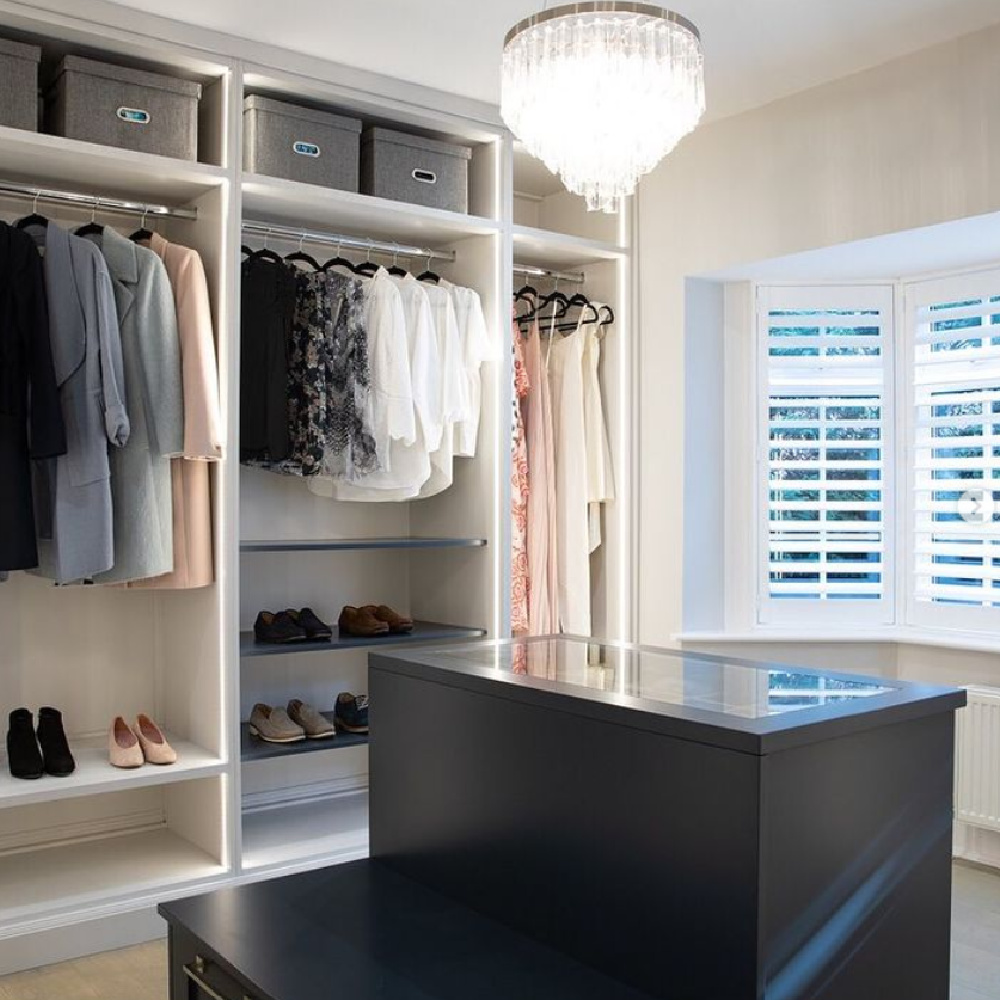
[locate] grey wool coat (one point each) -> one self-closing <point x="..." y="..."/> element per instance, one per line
<point x="140" y="471"/>
<point x="73" y="491"/>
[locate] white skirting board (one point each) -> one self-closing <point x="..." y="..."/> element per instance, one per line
<point x="63" y="944"/>
<point x="977" y="845"/>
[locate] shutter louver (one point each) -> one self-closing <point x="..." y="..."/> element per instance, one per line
<point x="956" y="442"/>
<point x="826" y="362"/>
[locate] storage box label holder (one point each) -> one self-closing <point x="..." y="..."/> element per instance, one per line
<point x="134" y="116"/>
<point x="305" y="148"/>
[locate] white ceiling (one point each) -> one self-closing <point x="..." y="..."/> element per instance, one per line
<point x="756" y="50"/>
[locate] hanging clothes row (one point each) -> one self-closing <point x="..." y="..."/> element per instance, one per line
<point x="561" y="460"/>
<point x="363" y="381"/>
<point x="108" y="368"/>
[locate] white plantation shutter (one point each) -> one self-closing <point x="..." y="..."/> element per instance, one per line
<point x="955" y="329"/>
<point x="826" y="367"/>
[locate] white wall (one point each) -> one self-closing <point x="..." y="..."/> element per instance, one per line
<point x="910" y="144"/>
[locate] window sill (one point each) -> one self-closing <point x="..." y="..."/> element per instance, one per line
<point x="980" y="642"/>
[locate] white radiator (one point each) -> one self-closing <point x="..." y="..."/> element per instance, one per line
<point x="977" y="760"/>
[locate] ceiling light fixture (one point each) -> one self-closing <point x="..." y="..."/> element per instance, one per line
<point x="600" y="92"/>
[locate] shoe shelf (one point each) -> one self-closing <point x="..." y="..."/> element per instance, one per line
<point x="252" y="748"/>
<point x="94" y="775"/>
<point x="422" y="632"/>
<point x="79" y="873"/>
<point x="356" y="544"/>
<point x="309" y="834"/>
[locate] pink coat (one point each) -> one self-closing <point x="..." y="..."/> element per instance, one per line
<point x="192" y="497"/>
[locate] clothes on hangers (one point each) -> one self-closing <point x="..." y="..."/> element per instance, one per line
<point x="126" y="329"/>
<point x="416" y="392"/>
<point x="600" y="474"/>
<point x="474" y="341"/>
<point x="568" y="467"/>
<point x="409" y="464"/>
<point x="520" y="488"/>
<point x="543" y="606"/>
<point x="140" y="470"/>
<point x="267" y="311"/>
<point x="73" y="494"/>
<point x="31" y="419"/>
<point x="190" y="486"/>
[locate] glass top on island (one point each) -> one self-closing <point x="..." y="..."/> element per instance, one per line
<point x="673" y="679"/>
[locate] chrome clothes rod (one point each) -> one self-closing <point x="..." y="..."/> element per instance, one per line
<point x="569" y="277"/>
<point x="93" y="201"/>
<point x="362" y="243"/>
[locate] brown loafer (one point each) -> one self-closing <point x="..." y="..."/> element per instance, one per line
<point x="398" y="624"/>
<point x="360" y="622"/>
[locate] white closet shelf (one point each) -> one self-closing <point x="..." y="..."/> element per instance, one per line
<point x="561" y="252"/>
<point x="422" y="632"/>
<point x="94" y="775"/>
<point x="74" y="875"/>
<point x="358" y="544"/>
<point x="51" y="161"/>
<point x="283" y="202"/>
<point x="305" y="835"/>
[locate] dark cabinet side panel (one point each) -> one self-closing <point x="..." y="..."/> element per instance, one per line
<point x="633" y="852"/>
<point x="856" y="850"/>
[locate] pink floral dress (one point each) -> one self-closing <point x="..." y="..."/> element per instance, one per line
<point x="519" y="572"/>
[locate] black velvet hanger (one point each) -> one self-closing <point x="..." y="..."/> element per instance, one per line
<point x="339" y="261"/>
<point x="305" y="258"/>
<point x="267" y="254"/>
<point x="142" y="233"/>
<point x="34" y="219"/>
<point x="92" y="228"/>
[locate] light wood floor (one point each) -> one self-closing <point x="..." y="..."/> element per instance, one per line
<point x="140" y="973"/>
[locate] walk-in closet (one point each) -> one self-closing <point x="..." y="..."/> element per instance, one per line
<point x="108" y="841"/>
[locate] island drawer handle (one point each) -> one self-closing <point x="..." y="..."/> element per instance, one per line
<point x="196" y="973"/>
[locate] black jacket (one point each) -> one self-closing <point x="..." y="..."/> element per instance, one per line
<point x="31" y="423"/>
<point x="268" y="312"/>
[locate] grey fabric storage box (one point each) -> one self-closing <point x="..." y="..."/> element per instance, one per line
<point x="410" y="168"/>
<point x="301" y="144"/>
<point x="19" y="84"/>
<point x="128" y="108"/>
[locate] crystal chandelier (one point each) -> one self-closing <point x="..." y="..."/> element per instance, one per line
<point x="600" y="92"/>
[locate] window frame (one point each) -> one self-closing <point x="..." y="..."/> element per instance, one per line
<point x="769" y="612"/>
<point x="913" y="293"/>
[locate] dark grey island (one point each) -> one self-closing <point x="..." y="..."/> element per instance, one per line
<point x="698" y="828"/>
<point x="555" y="819"/>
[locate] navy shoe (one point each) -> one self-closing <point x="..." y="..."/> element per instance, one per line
<point x="351" y="713"/>
<point x="279" y="628"/>
<point x="315" y="628"/>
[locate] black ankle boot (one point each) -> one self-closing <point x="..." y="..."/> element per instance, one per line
<point x="23" y="756"/>
<point x="52" y="739"/>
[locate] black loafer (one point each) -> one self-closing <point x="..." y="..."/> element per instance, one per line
<point x="56" y="754"/>
<point x="279" y="628"/>
<point x="23" y="756"/>
<point x="315" y="628"/>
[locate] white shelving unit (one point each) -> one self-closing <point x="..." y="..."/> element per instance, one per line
<point x="104" y="842"/>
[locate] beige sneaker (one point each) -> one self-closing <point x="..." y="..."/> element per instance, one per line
<point x="274" y="726"/>
<point x="317" y="726"/>
<point x="123" y="745"/>
<point x="155" y="747"/>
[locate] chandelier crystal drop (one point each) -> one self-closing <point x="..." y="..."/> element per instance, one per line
<point x="600" y="92"/>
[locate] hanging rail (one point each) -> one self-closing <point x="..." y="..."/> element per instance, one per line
<point x="263" y="230"/>
<point x="95" y="202"/>
<point x="569" y="277"/>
